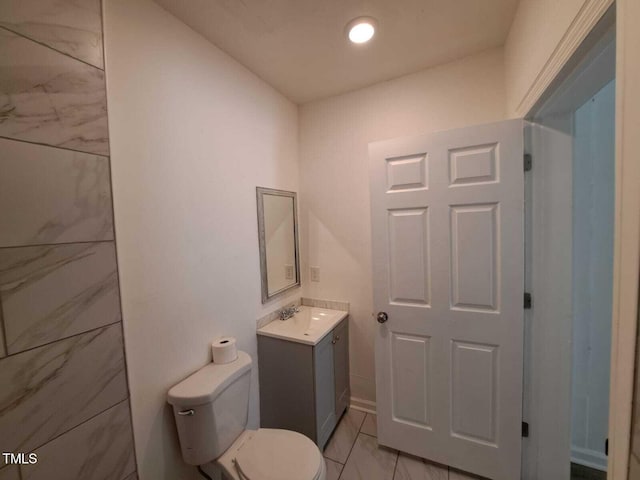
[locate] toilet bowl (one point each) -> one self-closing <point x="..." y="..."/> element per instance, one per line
<point x="211" y="411"/>
<point x="270" y="454"/>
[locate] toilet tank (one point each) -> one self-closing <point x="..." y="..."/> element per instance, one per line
<point x="211" y="408"/>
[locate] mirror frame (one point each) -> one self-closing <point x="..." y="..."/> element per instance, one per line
<point x="260" y="192"/>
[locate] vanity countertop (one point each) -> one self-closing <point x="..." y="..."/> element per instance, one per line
<point x="308" y="326"/>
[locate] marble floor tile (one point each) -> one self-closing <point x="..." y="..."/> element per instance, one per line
<point x="50" y="98"/>
<point x="51" y="389"/>
<point x="333" y="469"/>
<point x="414" y="468"/>
<point x="368" y="461"/>
<point x="344" y="435"/>
<point x="9" y="473"/>
<point x="99" y="449"/>
<point x="369" y="426"/>
<point x="52" y="292"/>
<point x="50" y="195"/>
<point x="73" y="27"/>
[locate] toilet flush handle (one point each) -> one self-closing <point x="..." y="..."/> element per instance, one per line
<point x="187" y="413"/>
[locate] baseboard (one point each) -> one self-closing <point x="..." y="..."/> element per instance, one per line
<point x="589" y="458"/>
<point x="363" y="405"/>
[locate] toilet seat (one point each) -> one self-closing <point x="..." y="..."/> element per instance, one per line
<point x="272" y="454"/>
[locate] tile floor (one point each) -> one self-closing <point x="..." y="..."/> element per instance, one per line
<point x="353" y="453"/>
<point x="579" y="472"/>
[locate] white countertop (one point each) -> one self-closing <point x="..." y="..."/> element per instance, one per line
<point x="309" y="325"/>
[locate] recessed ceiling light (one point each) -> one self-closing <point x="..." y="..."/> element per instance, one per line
<point x="361" y="29"/>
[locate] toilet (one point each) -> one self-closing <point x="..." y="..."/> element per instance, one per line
<point x="211" y="408"/>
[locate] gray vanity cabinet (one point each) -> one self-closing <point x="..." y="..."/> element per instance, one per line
<point x="340" y="372"/>
<point x="323" y="367"/>
<point x="304" y="388"/>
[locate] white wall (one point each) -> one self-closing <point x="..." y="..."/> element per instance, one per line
<point x="543" y="36"/>
<point x="192" y="134"/>
<point x="334" y="134"/>
<point x="537" y="28"/>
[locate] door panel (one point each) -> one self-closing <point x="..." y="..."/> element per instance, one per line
<point x="473" y="165"/>
<point x="447" y="226"/>
<point x="410" y="389"/>
<point x="473" y="256"/>
<point x="407" y="173"/>
<point x="409" y="257"/>
<point x="474" y="391"/>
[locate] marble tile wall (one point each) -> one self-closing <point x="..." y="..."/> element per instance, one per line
<point x="99" y="448"/>
<point x="3" y="350"/>
<point x="49" y="195"/>
<point x="49" y="98"/>
<point x="9" y="473"/>
<point x="63" y="384"/>
<point x="51" y="389"/>
<point x="70" y="26"/>
<point x="76" y="286"/>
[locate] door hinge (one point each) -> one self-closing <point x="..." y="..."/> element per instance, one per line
<point x="527" y="300"/>
<point x="525" y="429"/>
<point x="606" y="447"/>
<point x="528" y="162"/>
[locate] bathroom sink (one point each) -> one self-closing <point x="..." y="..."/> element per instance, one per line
<point x="307" y="326"/>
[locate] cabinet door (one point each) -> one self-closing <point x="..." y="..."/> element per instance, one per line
<point x="341" y="365"/>
<point x="287" y="386"/>
<point x="324" y="392"/>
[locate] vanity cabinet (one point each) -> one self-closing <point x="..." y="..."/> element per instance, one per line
<point x="341" y="367"/>
<point x="305" y="388"/>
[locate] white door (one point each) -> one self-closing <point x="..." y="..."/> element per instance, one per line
<point x="448" y="261"/>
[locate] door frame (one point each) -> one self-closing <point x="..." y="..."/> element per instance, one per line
<point x="548" y="362"/>
<point x="626" y="268"/>
<point x="627" y="236"/>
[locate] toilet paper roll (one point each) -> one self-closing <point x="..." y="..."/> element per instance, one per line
<point x="224" y="350"/>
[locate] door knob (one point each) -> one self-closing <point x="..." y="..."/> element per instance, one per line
<point x="382" y="317"/>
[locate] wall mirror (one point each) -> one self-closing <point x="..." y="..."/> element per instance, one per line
<point x="278" y="239"/>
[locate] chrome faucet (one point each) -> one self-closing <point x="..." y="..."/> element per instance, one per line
<point x="287" y="312"/>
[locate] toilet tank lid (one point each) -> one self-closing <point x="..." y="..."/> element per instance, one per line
<point x="207" y="383"/>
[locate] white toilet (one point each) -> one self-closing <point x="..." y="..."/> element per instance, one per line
<point x="211" y="408"/>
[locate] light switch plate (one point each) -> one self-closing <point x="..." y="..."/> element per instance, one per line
<point x="315" y="274"/>
<point x="288" y="272"/>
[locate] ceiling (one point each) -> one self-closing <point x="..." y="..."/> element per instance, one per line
<point x="300" y="46"/>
